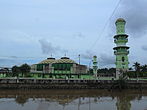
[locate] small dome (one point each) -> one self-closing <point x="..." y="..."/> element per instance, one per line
<point x="50" y="58"/>
<point x="120" y="20"/>
<point x="48" y="61"/>
<point x="95" y="56"/>
<point x="64" y="60"/>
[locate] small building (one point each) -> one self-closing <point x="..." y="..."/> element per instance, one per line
<point x="4" y="71"/>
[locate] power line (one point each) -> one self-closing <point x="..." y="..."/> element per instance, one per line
<point x="101" y="33"/>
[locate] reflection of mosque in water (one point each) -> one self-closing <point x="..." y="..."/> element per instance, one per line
<point x="76" y="98"/>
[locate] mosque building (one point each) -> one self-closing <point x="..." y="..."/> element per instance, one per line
<point x="62" y="66"/>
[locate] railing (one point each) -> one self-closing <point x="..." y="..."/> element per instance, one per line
<point x="120" y="40"/>
<point x="47" y="81"/>
<point x="121" y="52"/>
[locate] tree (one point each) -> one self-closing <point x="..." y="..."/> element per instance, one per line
<point x="15" y="70"/>
<point x="25" y="69"/>
<point x="106" y="71"/>
<point x="144" y="68"/>
<point x="130" y="69"/>
<point x="137" y="68"/>
<point x="143" y="71"/>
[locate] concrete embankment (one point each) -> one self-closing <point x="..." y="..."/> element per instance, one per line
<point x="71" y="84"/>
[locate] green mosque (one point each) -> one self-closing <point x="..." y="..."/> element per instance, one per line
<point x="68" y="68"/>
<point x="63" y="67"/>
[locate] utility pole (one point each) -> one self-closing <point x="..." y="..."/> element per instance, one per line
<point x="79" y="66"/>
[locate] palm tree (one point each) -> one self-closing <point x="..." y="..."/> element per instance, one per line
<point x="137" y="68"/>
<point x="144" y="68"/>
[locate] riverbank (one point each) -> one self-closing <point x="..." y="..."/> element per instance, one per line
<point x="25" y="83"/>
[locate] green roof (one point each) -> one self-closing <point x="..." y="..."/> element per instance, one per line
<point x="64" y="60"/>
<point x="48" y="61"/>
<point x="53" y="60"/>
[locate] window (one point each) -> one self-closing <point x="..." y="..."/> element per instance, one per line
<point x="123" y="59"/>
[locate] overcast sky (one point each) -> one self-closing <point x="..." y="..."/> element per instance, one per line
<point x="32" y="30"/>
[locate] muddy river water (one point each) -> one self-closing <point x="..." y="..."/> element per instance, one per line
<point x="73" y="100"/>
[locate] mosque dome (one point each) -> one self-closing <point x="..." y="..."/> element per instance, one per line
<point x="64" y="60"/>
<point x="48" y="61"/>
<point x="120" y="20"/>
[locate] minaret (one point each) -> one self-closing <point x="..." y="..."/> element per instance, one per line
<point x="121" y="50"/>
<point x="95" y="65"/>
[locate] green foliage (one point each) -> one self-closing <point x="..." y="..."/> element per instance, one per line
<point x="90" y="71"/>
<point x="107" y="71"/>
<point x="25" y="69"/>
<point x="132" y="74"/>
<point x="15" y="71"/>
<point x="143" y="68"/>
<point x="140" y="71"/>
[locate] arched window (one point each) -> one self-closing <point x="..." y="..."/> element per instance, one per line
<point x="123" y="59"/>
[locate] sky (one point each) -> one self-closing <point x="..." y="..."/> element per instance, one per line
<point x="33" y="30"/>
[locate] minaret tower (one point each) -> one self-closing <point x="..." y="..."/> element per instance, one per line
<point x="121" y="50"/>
<point x="95" y="65"/>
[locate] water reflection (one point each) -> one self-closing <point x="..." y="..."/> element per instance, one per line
<point x="71" y="99"/>
<point x="21" y="99"/>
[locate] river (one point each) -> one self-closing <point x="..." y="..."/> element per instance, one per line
<point x="73" y="100"/>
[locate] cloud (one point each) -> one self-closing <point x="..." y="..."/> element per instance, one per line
<point x="105" y="59"/>
<point x="11" y="61"/>
<point x="48" y="48"/>
<point x="144" y="47"/>
<point x="134" y="12"/>
<point x="87" y="55"/>
<point x="7" y="62"/>
<point x="79" y="35"/>
<point x="15" y="57"/>
<point x="19" y="36"/>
